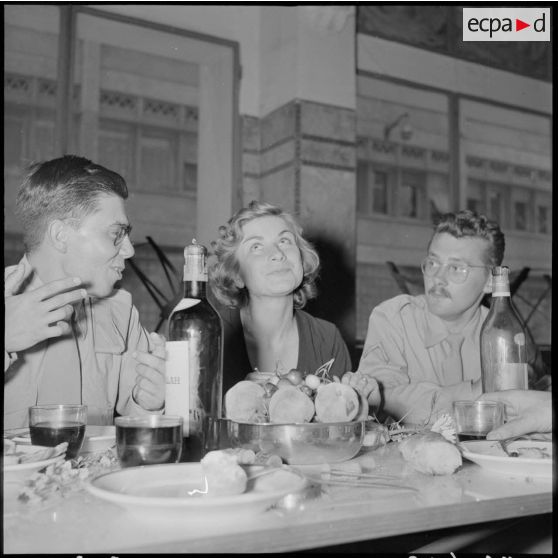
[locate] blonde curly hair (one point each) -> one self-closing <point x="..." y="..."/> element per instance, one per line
<point x="224" y="268"/>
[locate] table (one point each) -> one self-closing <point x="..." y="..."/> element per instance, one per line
<point x="82" y="523"/>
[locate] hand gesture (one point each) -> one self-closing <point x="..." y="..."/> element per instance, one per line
<point x="39" y="314"/>
<point x="366" y="385"/>
<point x="149" y="391"/>
<point x="527" y="411"/>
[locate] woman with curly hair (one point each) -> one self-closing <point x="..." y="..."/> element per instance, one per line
<point x="263" y="274"/>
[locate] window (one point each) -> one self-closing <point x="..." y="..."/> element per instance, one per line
<point x="30" y="124"/>
<point x="438" y="193"/>
<point x="507" y="161"/>
<point x="384" y="190"/>
<point x="412" y="190"/>
<point x="495" y="205"/>
<point x="475" y="196"/>
<point x="158" y="169"/>
<point x="542" y="219"/>
<point x="364" y="192"/>
<point x="543" y="212"/>
<point x="520" y="216"/>
<point x="519" y="208"/>
<point x="135" y="107"/>
<point x="116" y="147"/>
<point x="190" y="177"/>
<point x="380" y="192"/>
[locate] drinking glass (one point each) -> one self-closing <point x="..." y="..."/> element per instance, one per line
<point x="50" y="425"/>
<point x="148" y="439"/>
<point x="475" y="419"/>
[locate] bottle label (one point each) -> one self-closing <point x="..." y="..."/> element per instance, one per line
<point x="512" y="376"/>
<point x="177" y="378"/>
<point x="195" y="268"/>
<point x="499" y="290"/>
<point x="185" y="303"/>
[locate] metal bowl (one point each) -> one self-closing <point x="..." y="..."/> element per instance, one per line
<point x="309" y="443"/>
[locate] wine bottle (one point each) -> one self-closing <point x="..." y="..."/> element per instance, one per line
<point x="502" y="340"/>
<point x="194" y="371"/>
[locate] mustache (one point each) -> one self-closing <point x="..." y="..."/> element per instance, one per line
<point x="439" y="291"/>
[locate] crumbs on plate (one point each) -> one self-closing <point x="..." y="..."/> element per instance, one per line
<point x="59" y="479"/>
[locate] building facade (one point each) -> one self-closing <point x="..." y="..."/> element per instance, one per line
<point x="365" y="122"/>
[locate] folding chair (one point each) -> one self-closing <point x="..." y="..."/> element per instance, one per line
<point x="165" y="303"/>
<point x="407" y="284"/>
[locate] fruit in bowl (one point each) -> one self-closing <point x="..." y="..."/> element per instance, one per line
<point x="303" y="418"/>
<point x="292" y="398"/>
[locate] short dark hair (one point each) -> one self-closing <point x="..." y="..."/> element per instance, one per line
<point x="69" y="186"/>
<point x="467" y="223"/>
<point x="224" y="271"/>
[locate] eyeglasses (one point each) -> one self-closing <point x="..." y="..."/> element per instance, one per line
<point x="117" y="235"/>
<point x="123" y="232"/>
<point x="456" y="272"/>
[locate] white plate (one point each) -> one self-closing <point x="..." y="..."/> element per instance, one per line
<point x="491" y="456"/>
<point x="18" y="473"/>
<point x="98" y="438"/>
<point x="177" y="489"/>
<point x="19" y="435"/>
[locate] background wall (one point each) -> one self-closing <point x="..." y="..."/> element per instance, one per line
<point x="315" y="97"/>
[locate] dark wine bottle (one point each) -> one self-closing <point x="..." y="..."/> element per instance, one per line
<point x="194" y="371"/>
<point x="502" y="340"/>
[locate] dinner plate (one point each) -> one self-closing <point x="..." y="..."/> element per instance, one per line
<point x="17" y="473"/>
<point x="179" y="489"/>
<point x="19" y="435"/>
<point x="490" y="455"/>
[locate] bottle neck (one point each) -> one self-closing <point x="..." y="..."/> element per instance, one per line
<point x="500" y="300"/>
<point x="195" y="289"/>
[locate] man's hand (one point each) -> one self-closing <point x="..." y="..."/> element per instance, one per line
<point x="149" y="391"/>
<point x="366" y="385"/>
<point x="527" y="411"/>
<point x="40" y="314"/>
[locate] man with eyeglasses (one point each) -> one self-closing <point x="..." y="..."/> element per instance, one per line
<point x="70" y="337"/>
<point x="424" y="350"/>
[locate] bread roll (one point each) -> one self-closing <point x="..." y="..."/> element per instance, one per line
<point x="430" y="453"/>
<point x="223" y="474"/>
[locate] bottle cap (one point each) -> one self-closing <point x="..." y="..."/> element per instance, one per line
<point x="500" y="281"/>
<point x="195" y="249"/>
<point x="195" y="268"/>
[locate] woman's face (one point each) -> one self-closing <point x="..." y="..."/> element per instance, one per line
<point x="269" y="258"/>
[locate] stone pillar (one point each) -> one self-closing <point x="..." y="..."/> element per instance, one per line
<point x="307" y="141"/>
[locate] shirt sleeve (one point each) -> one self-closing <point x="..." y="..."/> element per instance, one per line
<point x="383" y="358"/>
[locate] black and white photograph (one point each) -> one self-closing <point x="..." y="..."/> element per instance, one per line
<point x="278" y="278"/>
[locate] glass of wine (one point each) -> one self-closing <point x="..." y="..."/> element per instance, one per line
<point x="475" y="419"/>
<point x="148" y="439"/>
<point x="50" y="425"/>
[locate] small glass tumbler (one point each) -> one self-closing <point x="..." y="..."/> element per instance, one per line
<point x="50" y="425"/>
<point x="475" y="419"/>
<point x="148" y="439"/>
